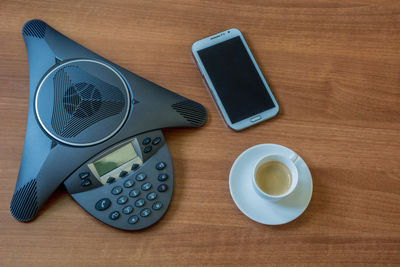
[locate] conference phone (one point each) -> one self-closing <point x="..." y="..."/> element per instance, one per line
<point x="96" y="128"/>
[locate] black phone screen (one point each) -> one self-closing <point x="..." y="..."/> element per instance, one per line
<point x="236" y="80"/>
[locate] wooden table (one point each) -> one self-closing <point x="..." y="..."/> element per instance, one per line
<point x="334" y="67"/>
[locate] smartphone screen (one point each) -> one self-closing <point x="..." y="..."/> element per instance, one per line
<point x="236" y="80"/>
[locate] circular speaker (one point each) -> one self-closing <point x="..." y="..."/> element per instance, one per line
<point x="82" y="102"/>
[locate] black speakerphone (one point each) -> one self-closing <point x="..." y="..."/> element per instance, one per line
<point x="96" y="127"/>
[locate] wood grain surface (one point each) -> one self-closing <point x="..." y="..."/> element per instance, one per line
<point x="334" y="67"/>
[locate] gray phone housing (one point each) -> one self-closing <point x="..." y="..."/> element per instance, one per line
<point x="80" y="105"/>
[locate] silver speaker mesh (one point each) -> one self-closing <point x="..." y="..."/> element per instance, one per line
<point x="82" y="102"/>
<point x="78" y="106"/>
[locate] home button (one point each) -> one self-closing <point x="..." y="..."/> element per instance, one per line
<point x="256" y="118"/>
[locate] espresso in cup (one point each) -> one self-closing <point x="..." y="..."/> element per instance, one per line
<point x="273" y="178"/>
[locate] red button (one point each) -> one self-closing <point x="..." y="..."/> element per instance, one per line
<point x="162" y="188"/>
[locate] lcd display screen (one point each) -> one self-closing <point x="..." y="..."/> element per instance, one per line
<point x="236" y="80"/>
<point x="115" y="159"/>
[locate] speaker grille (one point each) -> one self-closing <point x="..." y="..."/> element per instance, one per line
<point x="193" y="112"/>
<point x="24" y="205"/>
<point x="35" y="28"/>
<point x="82" y="102"/>
<point x="78" y="106"/>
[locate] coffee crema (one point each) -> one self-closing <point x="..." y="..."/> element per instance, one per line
<point x="273" y="178"/>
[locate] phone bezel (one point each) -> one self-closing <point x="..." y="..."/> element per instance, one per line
<point x="216" y="39"/>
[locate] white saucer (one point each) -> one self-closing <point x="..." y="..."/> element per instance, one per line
<point x="258" y="208"/>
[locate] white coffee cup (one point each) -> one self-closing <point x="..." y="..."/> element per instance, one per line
<point x="289" y="162"/>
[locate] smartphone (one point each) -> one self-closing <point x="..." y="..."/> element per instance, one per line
<point x="234" y="79"/>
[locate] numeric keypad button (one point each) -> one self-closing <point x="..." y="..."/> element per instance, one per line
<point x="151" y="196"/>
<point x="140" y="176"/>
<point x="127" y="210"/>
<point x="163" y="177"/>
<point x="140" y="202"/>
<point x="145" y="212"/>
<point x="116" y="190"/>
<point x="114" y="215"/>
<point x="122" y="200"/>
<point x="129" y="183"/>
<point x="161" y="166"/>
<point x="134" y="193"/>
<point x="133" y="219"/>
<point x="146" y="186"/>
<point x="157" y="205"/>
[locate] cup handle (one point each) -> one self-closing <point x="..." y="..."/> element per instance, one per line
<point x="294" y="157"/>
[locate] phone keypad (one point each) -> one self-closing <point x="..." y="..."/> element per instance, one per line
<point x="138" y="198"/>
